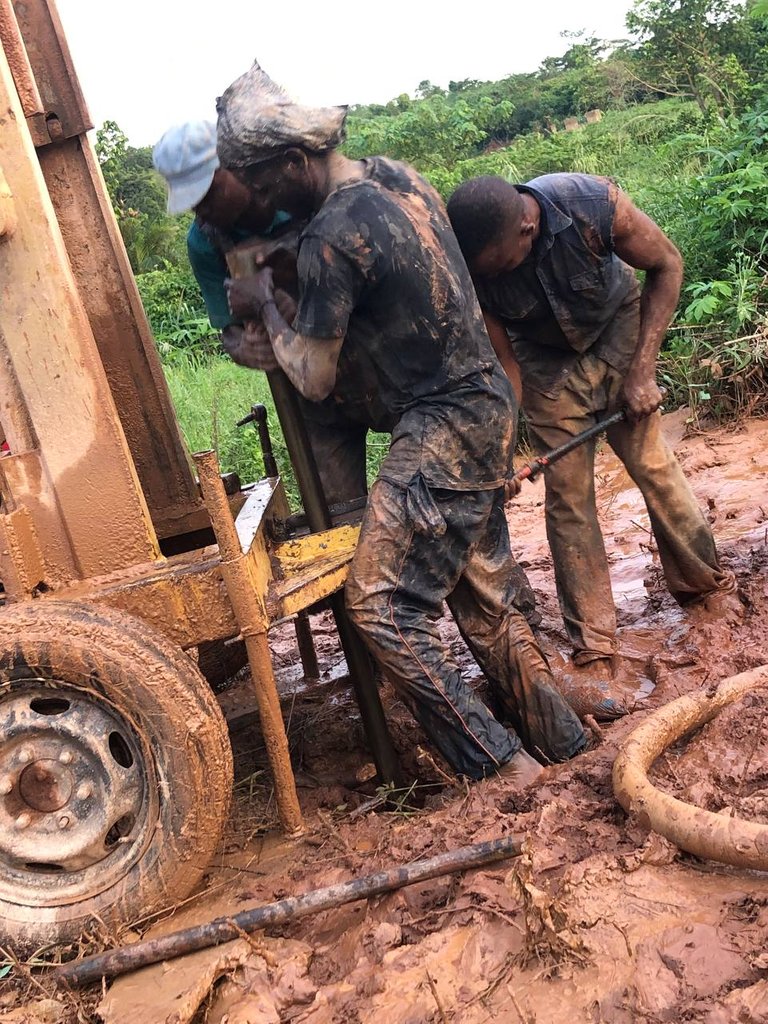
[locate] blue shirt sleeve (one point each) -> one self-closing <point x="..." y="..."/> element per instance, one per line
<point x="210" y="270"/>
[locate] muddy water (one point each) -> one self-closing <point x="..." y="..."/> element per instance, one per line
<point x="599" y="921"/>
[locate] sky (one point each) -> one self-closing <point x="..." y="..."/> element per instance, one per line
<point x="147" y="64"/>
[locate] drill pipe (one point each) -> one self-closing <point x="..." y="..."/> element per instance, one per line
<point x="224" y="929"/>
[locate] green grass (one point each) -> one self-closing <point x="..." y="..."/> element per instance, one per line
<point x="210" y="394"/>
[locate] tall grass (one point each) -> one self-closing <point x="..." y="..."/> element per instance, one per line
<point x="210" y="394"/>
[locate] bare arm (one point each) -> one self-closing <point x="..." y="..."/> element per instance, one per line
<point x="642" y="244"/>
<point x="310" y="363"/>
<point x="497" y="332"/>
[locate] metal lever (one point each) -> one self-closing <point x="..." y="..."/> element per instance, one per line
<point x="258" y="415"/>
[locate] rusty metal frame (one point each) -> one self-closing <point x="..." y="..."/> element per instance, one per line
<point x="85" y="492"/>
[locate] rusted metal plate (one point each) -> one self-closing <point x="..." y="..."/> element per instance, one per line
<point x="53" y="70"/>
<point x="128" y="352"/>
<point x="183" y="598"/>
<point x="46" y="339"/>
<point x="21" y="69"/>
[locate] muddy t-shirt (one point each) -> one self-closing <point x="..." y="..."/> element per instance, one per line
<point x="380" y="266"/>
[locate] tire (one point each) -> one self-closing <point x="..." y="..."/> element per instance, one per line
<point x="115" y="772"/>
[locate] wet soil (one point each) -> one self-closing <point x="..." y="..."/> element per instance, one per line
<point x="598" y="921"/>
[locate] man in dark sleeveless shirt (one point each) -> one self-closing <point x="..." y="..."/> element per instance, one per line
<point x="552" y="262"/>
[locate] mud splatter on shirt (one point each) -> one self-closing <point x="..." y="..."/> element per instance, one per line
<point x="380" y="266"/>
<point x="573" y="294"/>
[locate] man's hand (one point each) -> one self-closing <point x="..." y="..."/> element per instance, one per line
<point x="249" y="346"/>
<point x="640" y="395"/>
<point x="248" y="295"/>
<point x="512" y="488"/>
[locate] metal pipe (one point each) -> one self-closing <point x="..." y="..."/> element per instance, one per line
<point x="252" y="618"/>
<point x="319" y="518"/>
<point x="242" y="263"/>
<point x="306" y="644"/>
<point x="224" y="929"/>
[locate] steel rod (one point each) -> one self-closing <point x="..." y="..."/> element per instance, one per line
<point x="539" y="464"/>
<point x="224" y="929"/>
<point x="318" y="515"/>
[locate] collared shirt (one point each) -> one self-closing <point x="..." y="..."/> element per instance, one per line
<point x="380" y="266"/>
<point x="573" y="294"/>
<point x="206" y="248"/>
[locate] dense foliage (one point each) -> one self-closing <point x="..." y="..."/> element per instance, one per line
<point x="684" y="130"/>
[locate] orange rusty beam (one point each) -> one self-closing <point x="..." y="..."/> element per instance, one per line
<point x="241" y="571"/>
<point x="104" y="277"/>
<point x="47" y="346"/>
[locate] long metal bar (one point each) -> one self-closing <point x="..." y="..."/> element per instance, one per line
<point x="251" y="615"/>
<point x="224" y="929"/>
<point x="538" y="465"/>
<point x="319" y="518"/>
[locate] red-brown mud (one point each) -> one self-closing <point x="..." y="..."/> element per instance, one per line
<point x="599" y="921"/>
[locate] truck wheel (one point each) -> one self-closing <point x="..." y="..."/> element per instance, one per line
<point x="115" y="772"/>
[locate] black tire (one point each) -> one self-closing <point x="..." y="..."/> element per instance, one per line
<point x="138" y="732"/>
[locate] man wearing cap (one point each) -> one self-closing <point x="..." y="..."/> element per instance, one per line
<point x="226" y="214"/>
<point x="387" y="320"/>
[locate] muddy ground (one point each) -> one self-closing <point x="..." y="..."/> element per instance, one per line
<point x="598" y="921"/>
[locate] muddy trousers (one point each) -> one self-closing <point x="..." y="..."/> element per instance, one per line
<point x="685" y="543"/>
<point x="399" y="579"/>
<point x="339" y="447"/>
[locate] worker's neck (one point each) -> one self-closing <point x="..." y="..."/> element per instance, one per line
<point x="334" y="171"/>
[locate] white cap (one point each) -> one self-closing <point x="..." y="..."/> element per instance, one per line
<point x="186" y="158"/>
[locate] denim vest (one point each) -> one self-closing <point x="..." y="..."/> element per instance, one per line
<point x="583" y="280"/>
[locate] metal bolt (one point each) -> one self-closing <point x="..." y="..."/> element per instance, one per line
<point x="84" y="790"/>
<point x="6" y="785"/>
<point x="66" y="757"/>
<point x="24" y="755"/>
<point x="23" y="820"/>
<point x="64" y="821"/>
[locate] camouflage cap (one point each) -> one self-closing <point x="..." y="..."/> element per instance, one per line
<point x="257" y="120"/>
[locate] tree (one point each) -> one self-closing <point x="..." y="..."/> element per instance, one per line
<point x="686" y="46"/>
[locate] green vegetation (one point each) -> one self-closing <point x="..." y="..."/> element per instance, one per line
<point x="684" y="131"/>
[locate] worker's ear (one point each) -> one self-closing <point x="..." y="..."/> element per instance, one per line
<point x="527" y="228"/>
<point x="295" y="164"/>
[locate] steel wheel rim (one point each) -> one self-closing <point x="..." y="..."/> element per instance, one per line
<point x="78" y="793"/>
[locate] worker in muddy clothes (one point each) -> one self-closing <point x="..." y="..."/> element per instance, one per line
<point x="387" y="320"/>
<point x="228" y="213"/>
<point x="552" y="262"/>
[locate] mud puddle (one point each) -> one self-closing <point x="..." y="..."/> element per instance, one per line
<point x="598" y="921"/>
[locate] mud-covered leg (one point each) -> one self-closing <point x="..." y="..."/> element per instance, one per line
<point x="575" y="540"/>
<point x="398" y="582"/>
<point x="502" y="643"/>
<point x="684" y="539"/>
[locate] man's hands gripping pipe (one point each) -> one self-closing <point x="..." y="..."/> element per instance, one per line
<point x="537" y="466"/>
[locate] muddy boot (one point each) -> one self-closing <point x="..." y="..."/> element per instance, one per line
<point x="592" y="689"/>
<point x="521" y="770"/>
<point x="723" y="603"/>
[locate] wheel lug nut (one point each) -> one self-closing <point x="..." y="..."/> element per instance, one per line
<point x="64" y="821"/>
<point x="84" y="790"/>
<point x="66" y="757"/>
<point x="24" y="755"/>
<point x="23" y="820"/>
<point x="6" y="785"/>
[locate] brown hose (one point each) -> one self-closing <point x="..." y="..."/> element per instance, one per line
<point x="743" y="844"/>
